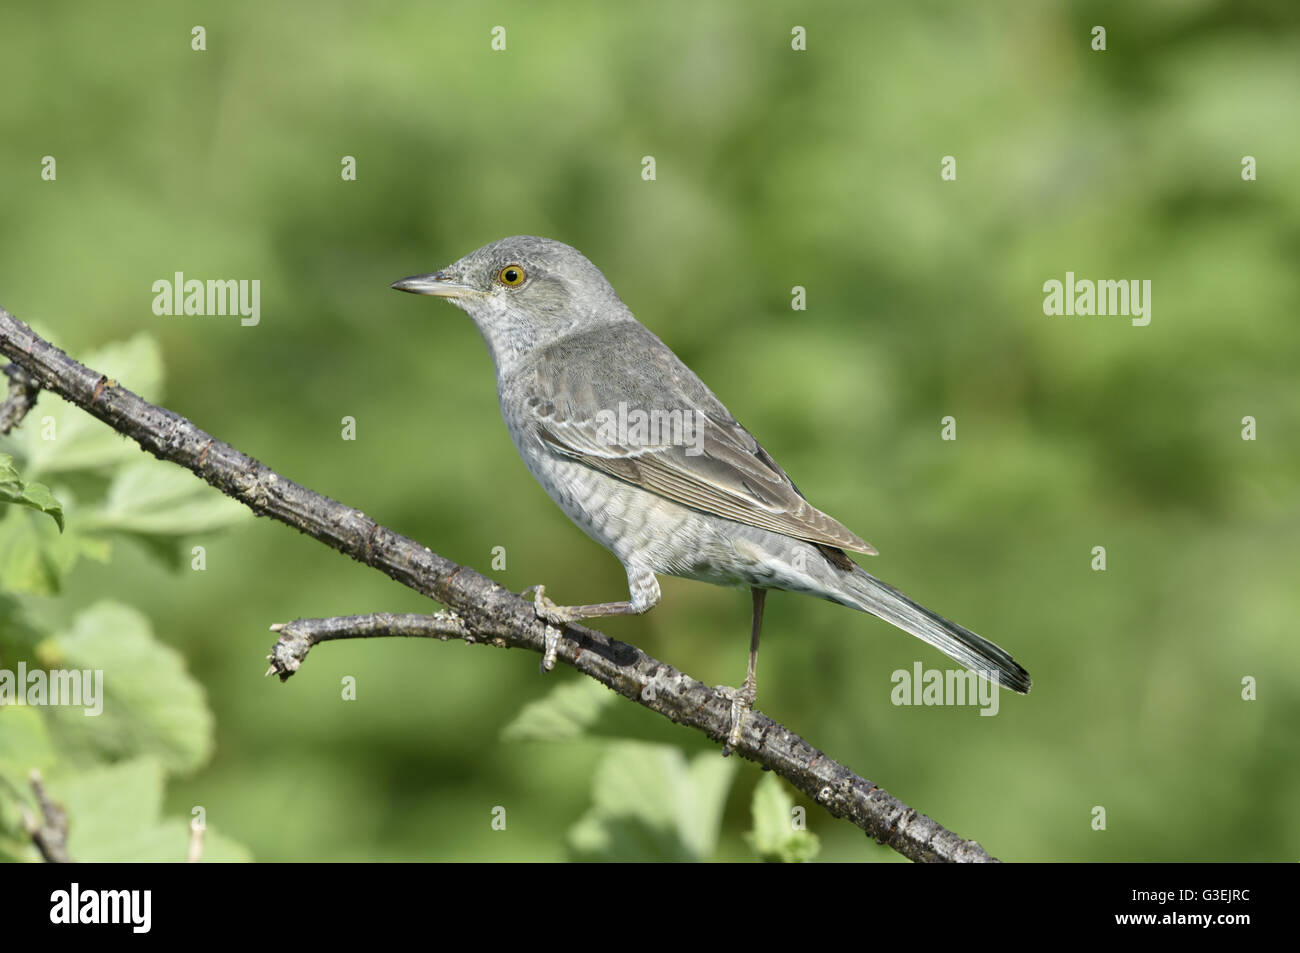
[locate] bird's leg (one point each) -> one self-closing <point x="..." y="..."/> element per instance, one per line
<point x="642" y="587"/>
<point x="548" y="610"/>
<point x="742" y="702"/>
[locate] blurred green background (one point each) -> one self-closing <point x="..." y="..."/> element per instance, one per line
<point x="775" y="168"/>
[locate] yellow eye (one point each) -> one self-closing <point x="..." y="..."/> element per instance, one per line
<point x="512" y="276"/>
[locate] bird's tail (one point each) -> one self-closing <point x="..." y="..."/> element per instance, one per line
<point x="980" y="655"/>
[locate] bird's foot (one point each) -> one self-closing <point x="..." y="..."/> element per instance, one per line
<point x="742" y="703"/>
<point x="552" y="637"/>
<point x="548" y="610"/>
<point x="552" y="614"/>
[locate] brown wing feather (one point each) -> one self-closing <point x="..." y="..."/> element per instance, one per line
<point x="769" y="501"/>
<point x="726" y="474"/>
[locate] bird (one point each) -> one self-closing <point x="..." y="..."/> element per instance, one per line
<point x="640" y="454"/>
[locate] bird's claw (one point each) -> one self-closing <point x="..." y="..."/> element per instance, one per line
<point x="546" y="609"/>
<point x="553" y="615"/>
<point x="552" y="637"/>
<point x="742" y="703"/>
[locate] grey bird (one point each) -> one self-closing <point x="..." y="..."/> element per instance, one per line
<point x="632" y="445"/>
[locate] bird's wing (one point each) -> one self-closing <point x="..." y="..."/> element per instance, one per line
<point x="706" y="461"/>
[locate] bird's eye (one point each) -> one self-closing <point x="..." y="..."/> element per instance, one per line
<point x="511" y="276"/>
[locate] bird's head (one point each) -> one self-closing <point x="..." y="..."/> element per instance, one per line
<point x="523" y="292"/>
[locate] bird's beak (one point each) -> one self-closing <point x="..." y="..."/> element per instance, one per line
<point x="440" y="284"/>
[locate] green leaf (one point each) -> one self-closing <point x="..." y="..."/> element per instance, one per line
<point x="154" y="498"/>
<point x="564" y="713"/>
<point x="113" y="816"/>
<point x="774" y="837"/>
<point x="34" y="555"/>
<point x="35" y="495"/>
<point x="650" y="804"/>
<point x="18" y="630"/>
<point x="155" y="502"/>
<point x="151" y="704"/>
<point x="66" y="437"/>
<point x="168" y="841"/>
<point x="24" y="744"/>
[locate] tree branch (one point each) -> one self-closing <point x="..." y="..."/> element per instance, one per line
<point x="50" y="832"/>
<point x="481" y="610"/>
<point x="299" y="636"/>
<point x="22" y="395"/>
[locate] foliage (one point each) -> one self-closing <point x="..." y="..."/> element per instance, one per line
<point x="649" y="802"/>
<point x="105" y="759"/>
